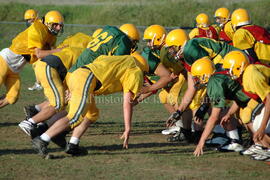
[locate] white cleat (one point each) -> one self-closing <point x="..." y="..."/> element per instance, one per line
<point x="231" y="146"/>
<point x="254" y="149"/>
<point x="171" y="130"/>
<point x="36" y="86"/>
<point x="26" y="126"/>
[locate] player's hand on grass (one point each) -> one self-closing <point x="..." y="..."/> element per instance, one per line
<point x="125" y="136"/>
<point x="199" y="150"/>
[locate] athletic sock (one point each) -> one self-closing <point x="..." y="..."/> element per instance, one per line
<point x="233" y="134"/>
<point x="74" y="140"/>
<point x="37" y="108"/>
<point x="45" y="137"/>
<point x="31" y="120"/>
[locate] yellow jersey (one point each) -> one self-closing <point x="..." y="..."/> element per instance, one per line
<point x="69" y="56"/>
<point x="243" y="39"/>
<point x="116" y="74"/>
<point x="256" y="80"/>
<point x="36" y="36"/>
<point x="78" y="40"/>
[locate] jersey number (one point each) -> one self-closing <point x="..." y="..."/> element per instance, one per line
<point x="99" y="40"/>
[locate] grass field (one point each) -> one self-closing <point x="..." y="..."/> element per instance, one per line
<point x="149" y="156"/>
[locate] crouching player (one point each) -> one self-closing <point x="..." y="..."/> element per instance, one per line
<point x="255" y="79"/>
<point x="220" y="87"/>
<point x="51" y="72"/>
<point x="106" y="75"/>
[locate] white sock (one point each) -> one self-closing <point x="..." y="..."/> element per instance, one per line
<point x="45" y="137"/>
<point x="233" y="134"/>
<point x="32" y="121"/>
<point x="74" y="140"/>
<point x="37" y="108"/>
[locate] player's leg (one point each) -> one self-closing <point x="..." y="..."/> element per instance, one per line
<point x="78" y="104"/>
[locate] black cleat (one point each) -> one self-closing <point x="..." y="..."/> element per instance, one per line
<point x="60" y="139"/>
<point x="183" y="135"/>
<point x="40" y="146"/>
<point x="38" y="130"/>
<point x="30" y="111"/>
<point x="75" y="150"/>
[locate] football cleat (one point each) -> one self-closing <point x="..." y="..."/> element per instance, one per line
<point x="232" y="145"/>
<point x="40" y="146"/>
<point x="254" y="149"/>
<point x="75" y="150"/>
<point x="171" y="130"/>
<point x="36" y="86"/>
<point x="30" y="111"/>
<point x="260" y="157"/>
<point x="181" y="136"/>
<point x="27" y="127"/>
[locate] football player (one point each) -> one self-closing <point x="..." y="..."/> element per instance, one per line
<point x="27" y="47"/>
<point x="255" y="80"/>
<point x="222" y="18"/>
<point x="105" y="75"/>
<point x="220" y="87"/>
<point x="203" y="28"/>
<point x="253" y="39"/>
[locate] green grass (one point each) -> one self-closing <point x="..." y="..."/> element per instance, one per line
<point x="149" y="155"/>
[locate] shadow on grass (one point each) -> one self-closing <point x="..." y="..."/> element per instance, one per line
<point x="4" y="124"/>
<point x="24" y="151"/>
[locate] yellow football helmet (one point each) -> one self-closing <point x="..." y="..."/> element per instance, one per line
<point x="240" y="17"/>
<point x="156" y="34"/>
<point x="131" y="31"/>
<point x="176" y="37"/>
<point x="141" y="61"/>
<point x="30" y="14"/>
<point x="53" y="19"/>
<point x="202" y="20"/>
<point x="96" y="32"/>
<point x="202" y="69"/>
<point x="236" y="62"/>
<point x="222" y="15"/>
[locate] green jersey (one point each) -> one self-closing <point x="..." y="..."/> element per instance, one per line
<point x="152" y="56"/>
<point x="111" y="41"/>
<point x="197" y="48"/>
<point x="221" y="87"/>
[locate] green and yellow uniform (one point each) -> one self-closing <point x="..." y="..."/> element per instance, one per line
<point x="221" y="87"/>
<point x="198" y="48"/>
<point x="113" y="73"/>
<point x="153" y="58"/>
<point x="21" y="51"/>
<point x="111" y="41"/>
<point x="51" y="71"/>
<point x="78" y="40"/>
